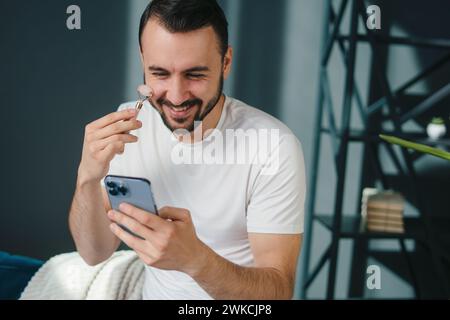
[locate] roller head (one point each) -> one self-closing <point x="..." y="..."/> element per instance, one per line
<point x="145" y="90"/>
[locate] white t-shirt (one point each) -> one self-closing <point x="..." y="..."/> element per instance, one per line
<point x="263" y="192"/>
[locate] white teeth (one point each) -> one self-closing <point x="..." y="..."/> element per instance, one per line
<point x="181" y="109"/>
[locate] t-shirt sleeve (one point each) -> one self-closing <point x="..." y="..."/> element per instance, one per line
<point x="277" y="200"/>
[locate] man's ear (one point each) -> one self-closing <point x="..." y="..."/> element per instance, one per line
<point x="141" y="56"/>
<point x="227" y="62"/>
<point x="142" y="62"/>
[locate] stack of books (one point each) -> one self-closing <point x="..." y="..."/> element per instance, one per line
<point x="382" y="211"/>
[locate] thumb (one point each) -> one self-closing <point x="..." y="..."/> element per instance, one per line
<point x="174" y="214"/>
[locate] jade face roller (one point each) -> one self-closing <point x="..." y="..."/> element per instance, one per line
<point x="145" y="93"/>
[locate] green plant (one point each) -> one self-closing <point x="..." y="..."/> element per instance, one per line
<point x="417" y="146"/>
<point x="437" y="120"/>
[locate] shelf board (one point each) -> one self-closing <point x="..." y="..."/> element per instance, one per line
<point x="350" y="228"/>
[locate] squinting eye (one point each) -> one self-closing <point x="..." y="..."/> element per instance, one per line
<point x="195" y="76"/>
<point x="159" y="75"/>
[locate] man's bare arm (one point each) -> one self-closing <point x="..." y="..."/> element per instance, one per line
<point x="169" y="242"/>
<point x="272" y="277"/>
<point x="89" y="224"/>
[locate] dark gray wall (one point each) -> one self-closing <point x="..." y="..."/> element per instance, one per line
<point x="259" y="61"/>
<point x="53" y="81"/>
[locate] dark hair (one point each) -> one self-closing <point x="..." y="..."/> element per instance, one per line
<point x="188" y="15"/>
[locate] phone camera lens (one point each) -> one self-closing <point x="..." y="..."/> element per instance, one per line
<point x="111" y="184"/>
<point x="123" y="190"/>
<point x="113" y="191"/>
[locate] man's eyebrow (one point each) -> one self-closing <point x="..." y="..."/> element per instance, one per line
<point x="197" y="69"/>
<point x="194" y="69"/>
<point x="156" y="68"/>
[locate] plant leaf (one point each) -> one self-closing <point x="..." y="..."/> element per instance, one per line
<point x="417" y="146"/>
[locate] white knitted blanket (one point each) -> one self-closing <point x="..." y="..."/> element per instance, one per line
<point x="68" y="277"/>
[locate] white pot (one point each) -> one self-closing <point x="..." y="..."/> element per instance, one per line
<point x="436" y="131"/>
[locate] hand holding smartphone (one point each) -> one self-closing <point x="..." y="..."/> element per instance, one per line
<point x="134" y="191"/>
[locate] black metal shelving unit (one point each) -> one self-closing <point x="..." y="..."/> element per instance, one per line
<point x="387" y="108"/>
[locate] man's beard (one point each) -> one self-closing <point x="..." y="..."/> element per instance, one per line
<point x="199" y="115"/>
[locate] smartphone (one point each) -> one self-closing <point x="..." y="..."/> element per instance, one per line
<point x="135" y="191"/>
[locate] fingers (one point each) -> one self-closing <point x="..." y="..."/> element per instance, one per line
<point x="103" y="139"/>
<point x="111" y="118"/>
<point x="147" y="257"/>
<point x="175" y="214"/>
<point x="116" y="128"/>
<point x="107" y="154"/>
<point x="132" y="224"/>
<point x="130" y="240"/>
<point x="147" y="249"/>
<point x="102" y="144"/>
<point x="149" y="219"/>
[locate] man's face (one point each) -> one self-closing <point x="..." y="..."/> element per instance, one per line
<point x="185" y="71"/>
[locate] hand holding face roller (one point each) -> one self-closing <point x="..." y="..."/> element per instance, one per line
<point x="146" y="92"/>
<point x="106" y="137"/>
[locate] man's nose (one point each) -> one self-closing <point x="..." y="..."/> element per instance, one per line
<point x="177" y="92"/>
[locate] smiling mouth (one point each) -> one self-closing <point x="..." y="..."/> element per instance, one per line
<point x="180" y="112"/>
